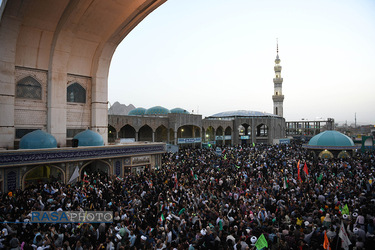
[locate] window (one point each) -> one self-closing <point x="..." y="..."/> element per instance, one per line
<point x="29" y="88"/>
<point x="70" y="133"/>
<point x="20" y="132"/>
<point x="262" y="130"/>
<point x="76" y="93"/>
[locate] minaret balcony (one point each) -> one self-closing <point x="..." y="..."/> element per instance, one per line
<point x="278" y="98"/>
<point x="277" y="80"/>
<point x="277" y="68"/>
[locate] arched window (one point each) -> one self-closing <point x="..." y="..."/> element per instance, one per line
<point x="29" y="88"/>
<point x="76" y="93"/>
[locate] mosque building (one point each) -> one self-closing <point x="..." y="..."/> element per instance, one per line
<point x="54" y="124"/>
<point x="179" y="127"/>
<point x="135" y="141"/>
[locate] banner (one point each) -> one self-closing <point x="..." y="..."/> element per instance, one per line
<point x="261" y="242"/>
<point x="345" y="242"/>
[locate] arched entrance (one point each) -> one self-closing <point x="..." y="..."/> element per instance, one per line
<point x="210" y="135"/>
<point x="228" y="136"/>
<point x="244" y="131"/>
<point x="219" y="138"/>
<point x="262" y="133"/>
<point x="95" y="167"/>
<point x="111" y="134"/>
<point x="161" y="134"/>
<point x="43" y="174"/>
<point x="145" y="133"/>
<point x="128" y="132"/>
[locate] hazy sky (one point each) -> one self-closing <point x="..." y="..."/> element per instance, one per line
<point x="212" y="56"/>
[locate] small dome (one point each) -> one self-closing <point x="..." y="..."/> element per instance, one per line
<point x="331" y="138"/>
<point x="242" y="113"/>
<point x="38" y="139"/>
<point x="157" y="110"/>
<point x="179" y="111"/>
<point x="89" y="138"/>
<point x="137" y="111"/>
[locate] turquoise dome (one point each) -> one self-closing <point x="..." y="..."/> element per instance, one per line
<point x="137" y="111"/>
<point x="179" y="111"/>
<point x="157" y="110"/>
<point x="331" y="138"/>
<point x="38" y="139"/>
<point x="89" y="138"/>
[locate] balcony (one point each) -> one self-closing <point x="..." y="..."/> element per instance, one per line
<point x="277" y="80"/>
<point x="277" y="68"/>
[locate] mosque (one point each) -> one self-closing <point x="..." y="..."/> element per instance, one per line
<point x="54" y="123"/>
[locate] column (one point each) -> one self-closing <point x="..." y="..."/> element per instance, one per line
<point x="168" y="136"/>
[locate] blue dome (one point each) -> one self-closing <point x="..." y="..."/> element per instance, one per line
<point x="89" y="138"/>
<point x="38" y="139"/>
<point x="157" y="110"/>
<point x="137" y="111"/>
<point x="242" y="113"/>
<point x="331" y="138"/>
<point x="179" y="111"/>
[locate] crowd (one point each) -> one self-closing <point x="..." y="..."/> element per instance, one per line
<point x="198" y="199"/>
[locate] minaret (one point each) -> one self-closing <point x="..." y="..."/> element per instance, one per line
<point x="278" y="96"/>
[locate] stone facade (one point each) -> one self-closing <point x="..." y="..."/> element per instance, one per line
<point x="214" y="130"/>
<point x="57" y="42"/>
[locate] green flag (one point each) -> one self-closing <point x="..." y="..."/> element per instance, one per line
<point x="253" y="144"/>
<point x="319" y="179"/>
<point x="345" y="210"/>
<point x="237" y="166"/>
<point x="181" y="211"/>
<point x="261" y="242"/>
<point x="225" y="156"/>
<point x="285" y="183"/>
<point x="220" y="225"/>
<point x="162" y="218"/>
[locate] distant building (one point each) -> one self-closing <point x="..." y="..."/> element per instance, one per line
<point x="179" y="127"/>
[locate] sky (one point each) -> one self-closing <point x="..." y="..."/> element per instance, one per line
<point x="213" y="56"/>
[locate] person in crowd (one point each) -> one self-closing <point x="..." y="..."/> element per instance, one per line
<point x="200" y="200"/>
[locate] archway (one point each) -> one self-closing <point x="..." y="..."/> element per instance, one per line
<point x="244" y="131"/>
<point x="145" y="133"/>
<point x="111" y="134"/>
<point x="82" y="38"/>
<point x="262" y="130"/>
<point x="219" y="138"/>
<point x="325" y="154"/>
<point x="95" y="167"/>
<point x="43" y="174"/>
<point x="161" y="134"/>
<point x="128" y="132"/>
<point x="210" y="135"/>
<point x="185" y="132"/>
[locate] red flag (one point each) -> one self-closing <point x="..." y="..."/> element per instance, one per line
<point x="299" y="175"/>
<point x="305" y="169"/>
